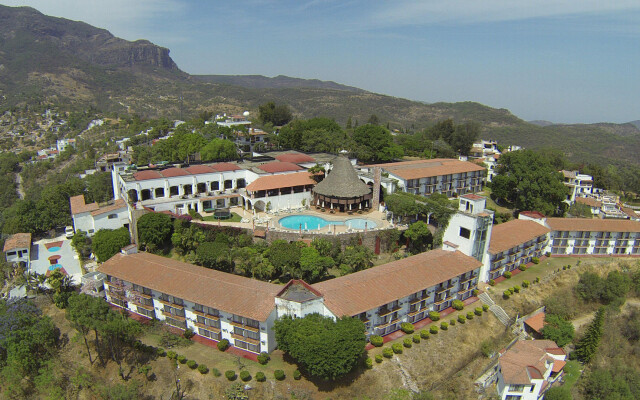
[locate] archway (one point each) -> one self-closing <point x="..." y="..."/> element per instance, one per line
<point x="259" y="205"/>
<point x="133" y="195"/>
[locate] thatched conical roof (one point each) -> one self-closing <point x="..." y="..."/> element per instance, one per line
<point x="342" y="181"/>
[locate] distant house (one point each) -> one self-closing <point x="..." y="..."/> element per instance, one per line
<point x="593" y="204"/>
<point x="528" y="369"/>
<point x="580" y="184"/>
<point x="534" y="324"/>
<point x="93" y="217"/>
<point x="62" y="144"/>
<point x="17" y="248"/>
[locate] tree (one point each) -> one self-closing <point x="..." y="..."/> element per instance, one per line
<point x="587" y="346"/>
<point x="420" y="237"/>
<point x="356" y="258"/>
<point x="85" y="313"/>
<point x="527" y="180"/>
<point x="615" y="287"/>
<point x="324" y="348"/>
<point x="117" y="332"/>
<point x="278" y="115"/>
<point x="580" y="210"/>
<point x="215" y="255"/>
<point x="99" y="187"/>
<point x="589" y="286"/>
<point x="283" y="255"/>
<point x="373" y="120"/>
<point x="219" y="150"/>
<point x="154" y="230"/>
<point x="558" y="330"/>
<point x="312" y="265"/>
<point x="374" y="143"/>
<point x="558" y="393"/>
<point x="108" y="242"/>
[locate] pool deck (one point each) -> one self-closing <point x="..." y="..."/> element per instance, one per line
<point x="65" y="255"/>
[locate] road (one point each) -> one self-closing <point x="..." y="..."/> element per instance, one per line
<point x="20" y="189"/>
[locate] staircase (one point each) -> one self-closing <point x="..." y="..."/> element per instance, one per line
<point x="495" y="309"/>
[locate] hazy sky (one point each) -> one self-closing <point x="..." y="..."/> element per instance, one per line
<point x="563" y="60"/>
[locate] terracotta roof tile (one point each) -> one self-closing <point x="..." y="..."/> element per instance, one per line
<point x="171" y="172"/>
<point x="226" y="292"/>
<point x="533" y="214"/>
<point x="148" y="174"/>
<point x="295" y="157"/>
<point x="118" y="204"/>
<point x="427" y="168"/>
<point x="513" y="233"/>
<point x="590" y="201"/>
<point x="17" y="241"/>
<point x="536" y="322"/>
<point x="593" y="225"/>
<point x="365" y="290"/>
<point x="78" y="205"/>
<point x="281" y="181"/>
<point x="199" y="169"/>
<point x="279" y="166"/>
<point x="223" y="167"/>
<point x="525" y="360"/>
<point x="472" y="196"/>
<point x="558" y="365"/>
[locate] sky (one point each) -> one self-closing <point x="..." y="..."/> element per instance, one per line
<point x="565" y="61"/>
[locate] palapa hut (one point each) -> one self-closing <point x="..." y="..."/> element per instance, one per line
<point x="342" y="189"/>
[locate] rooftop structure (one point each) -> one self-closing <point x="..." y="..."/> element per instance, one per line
<point x="17" y="241"/>
<point x="510" y="234"/>
<point x="342" y="188"/>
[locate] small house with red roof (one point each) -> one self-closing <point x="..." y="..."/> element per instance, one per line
<point x="92" y="217"/>
<point x="17" y="247"/>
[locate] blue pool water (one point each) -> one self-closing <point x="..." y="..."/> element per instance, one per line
<point x="312" y="222"/>
<point x="54" y="267"/>
<point x="53" y="249"/>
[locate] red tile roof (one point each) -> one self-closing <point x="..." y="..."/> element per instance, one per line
<point x="223" y="167"/>
<point x="558" y="365"/>
<point x="148" y="174"/>
<point x="536" y="322"/>
<point x="17" y="241"/>
<point x="472" y="196"/>
<point x="593" y="225"/>
<point x="428" y="168"/>
<point x="192" y="170"/>
<point x="533" y="214"/>
<point x="171" y="172"/>
<point x="279" y="166"/>
<point x="199" y="169"/>
<point x="514" y="233"/>
<point x="226" y="292"/>
<point x="117" y="205"/>
<point x="365" y="290"/>
<point x="295" y="157"/>
<point x="281" y="181"/>
<point x="78" y="205"/>
<point x="590" y="201"/>
<point x="525" y="360"/>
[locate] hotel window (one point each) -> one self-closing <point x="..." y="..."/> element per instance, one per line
<point x="209" y="334"/>
<point x="112" y="216"/>
<point x="174" y="311"/>
<point x="208" y="322"/>
<point x="465" y="233"/>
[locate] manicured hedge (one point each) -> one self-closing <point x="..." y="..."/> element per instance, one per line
<point x="506" y="294"/>
<point x="216" y="372"/>
<point x="203" y="369"/>
<point x="263" y="358"/>
<point x="297" y="375"/>
<point x="452" y="321"/>
<point x="368" y="363"/>
<point x="507" y="274"/>
<point x="457" y="305"/>
<point x="516" y="289"/>
<point x="407" y="342"/>
<point x="397" y="348"/>
<point x="433" y="329"/>
<point x="160" y="352"/>
<point x="279" y="374"/>
<point x="485" y="307"/>
<point x="223" y="345"/>
<point x="245" y="376"/>
<point x="444" y="326"/>
<point x="260" y="377"/>
<point x="376" y="340"/>
<point x="182" y="359"/>
<point x="231" y="375"/>
<point x="188" y="334"/>
<point x="416" y="338"/>
<point x="478" y="311"/>
<point x="475" y="292"/>
<point x="522" y="267"/>
<point x="462" y="319"/>
<point x="192" y="364"/>
<point x="434" y="315"/>
<point x="492" y="282"/>
<point x="407" y="327"/>
<point x="470" y="315"/>
<point x="171" y="355"/>
<point x="535" y="260"/>
<point x="424" y="334"/>
<point x="525" y="284"/>
<point x="387" y="352"/>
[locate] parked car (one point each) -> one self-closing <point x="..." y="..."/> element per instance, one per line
<point x="69" y="232"/>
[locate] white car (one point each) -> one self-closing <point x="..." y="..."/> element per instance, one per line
<point x="68" y="231"/>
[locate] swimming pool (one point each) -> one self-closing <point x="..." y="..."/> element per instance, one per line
<point x="55" y="248"/>
<point x="311" y="222"/>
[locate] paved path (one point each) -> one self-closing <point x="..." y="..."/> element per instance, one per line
<point x="407" y="381"/>
<point x="498" y="311"/>
<point x="19" y="183"/>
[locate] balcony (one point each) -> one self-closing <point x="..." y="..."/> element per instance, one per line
<point x="247" y="327"/>
<point x="142" y="294"/>
<point x="204" y="314"/>
<point x="444" y="288"/>
<point x="207" y="327"/>
<point x="385" y="311"/>
<point x="168" y="303"/>
<point x="169" y="315"/>
<point x="118" y="294"/>
<point x="245" y="339"/>
<point x="145" y="306"/>
<point x="465" y="280"/>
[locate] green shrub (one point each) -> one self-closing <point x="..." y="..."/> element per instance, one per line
<point x="160" y="352"/>
<point x="461" y="319"/>
<point x="547" y="254"/>
<point x="171" y="355"/>
<point x="478" y="311"/>
<point x="407" y="327"/>
<point x="297" y="375"/>
<point x="507" y="274"/>
<point x="407" y="342"/>
<point x="203" y="369"/>
<point x="525" y="284"/>
<point x="416" y="338"/>
<point x="535" y="260"/>
<point x="245" y="376"/>
<point x="387" y="352"/>
<point x="506" y="294"/>
<point x="564" y="267"/>
<point x="470" y="315"/>
<point x="263" y="358"/>
<point x="397" y="348"/>
<point x="492" y="282"/>
<point x="182" y="359"/>
<point x="188" y="334"/>
<point x="192" y="364"/>
<point x="522" y="267"/>
<point x="434" y="315"/>
<point x="376" y="340"/>
<point x="223" y="345"/>
<point x="457" y="305"/>
<point x="485" y="307"/>
<point x="379" y="358"/>
<point x="516" y="289"/>
<point x="216" y="372"/>
<point x="452" y="321"/>
<point x="537" y="280"/>
<point x="444" y="326"/>
<point x="231" y="375"/>
<point x="260" y="377"/>
<point x="424" y="334"/>
<point x="368" y="363"/>
<point x="475" y="292"/>
<point x="279" y="374"/>
<point x="433" y="329"/>
<point x="568" y="266"/>
<point x="510" y="291"/>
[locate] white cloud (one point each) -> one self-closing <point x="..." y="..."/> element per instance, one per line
<point x="418" y="12"/>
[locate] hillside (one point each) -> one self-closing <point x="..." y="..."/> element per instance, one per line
<point x="47" y="60"/>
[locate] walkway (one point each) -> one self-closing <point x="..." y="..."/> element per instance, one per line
<point x="50" y="254"/>
<point x="495" y="309"/>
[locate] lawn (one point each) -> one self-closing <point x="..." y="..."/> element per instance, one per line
<point x="486" y="192"/>
<point x="571" y="373"/>
<point x="234" y="218"/>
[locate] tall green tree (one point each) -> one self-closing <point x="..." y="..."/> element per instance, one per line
<point x="312" y="266"/>
<point x="108" y="242"/>
<point x="588" y="344"/>
<point x="219" y="150"/>
<point x="557" y="329"/>
<point x="278" y="115"/>
<point x="420" y="237"/>
<point x="154" y="230"/>
<point x="374" y="143"/>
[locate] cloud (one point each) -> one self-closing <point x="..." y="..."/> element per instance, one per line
<point x="419" y="12"/>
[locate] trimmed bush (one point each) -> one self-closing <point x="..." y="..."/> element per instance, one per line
<point x="485" y="307"/>
<point x="407" y="342"/>
<point x="457" y="305"/>
<point x="182" y="359"/>
<point x="216" y="372"/>
<point x="461" y="319"/>
<point x="525" y="284"/>
<point x="444" y="326"/>
<point x="171" y="355"/>
<point x="433" y="329"/>
<point x="279" y="374"/>
<point x="160" y="352"/>
<point x="510" y="291"/>
<point x="230" y="375"/>
<point x="223" y="345"/>
<point x="568" y="266"/>
<point x="368" y="363"/>
<point x="470" y="315"/>
<point x="379" y="358"/>
<point x="387" y="352"/>
<point x="475" y="292"/>
<point x="424" y="334"/>
<point x="506" y="294"/>
<point x="407" y="327"/>
<point x="537" y="280"/>
<point x="522" y="267"/>
<point x="416" y="338"/>
<point x="507" y="274"/>
<point x="263" y="358"/>
<point x="396" y="348"/>
<point x="452" y="321"/>
<point x="245" y="376"/>
<point x="434" y="315"/>
<point x="564" y="267"/>
<point x="547" y="254"/>
<point x="297" y="375"/>
<point x="516" y="289"/>
<point x="260" y="377"/>
<point x="478" y="311"/>
<point x="188" y="334"/>
<point x="203" y="369"/>
<point x="535" y="260"/>
<point x="492" y="282"/>
<point x="376" y="340"/>
<point x="192" y="364"/>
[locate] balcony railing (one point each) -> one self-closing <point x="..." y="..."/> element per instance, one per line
<point x="142" y="294"/>
<point x="386" y="311"/>
<point x="465" y="280"/>
<point x="178" y="317"/>
<point x="444" y="288"/>
<point x="207" y="327"/>
<point x="141" y="304"/>
<point x="245" y="339"/>
<point x="247" y="327"/>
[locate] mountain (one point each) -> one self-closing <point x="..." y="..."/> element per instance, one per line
<point x="47" y="60"/>
<point x="635" y="123"/>
<point x="541" y="122"/>
<point x="277" y="82"/>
